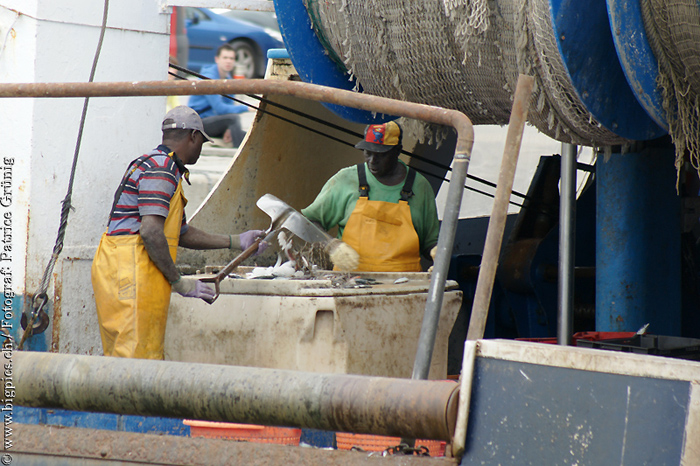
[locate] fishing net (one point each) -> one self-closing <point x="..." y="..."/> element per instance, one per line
<point x="673" y="29"/>
<point x="460" y="54"/>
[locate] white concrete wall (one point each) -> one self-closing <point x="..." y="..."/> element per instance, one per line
<point x="56" y="41"/>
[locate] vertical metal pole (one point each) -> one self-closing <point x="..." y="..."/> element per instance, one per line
<point x="567" y="242"/>
<point x="492" y="248"/>
<point x="638" y="249"/>
<point x="431" y="317"/>
<point x="499" y="213"/>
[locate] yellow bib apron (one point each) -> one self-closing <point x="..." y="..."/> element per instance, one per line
<point x="383" y="232"/>
<point x="131" y="293"/>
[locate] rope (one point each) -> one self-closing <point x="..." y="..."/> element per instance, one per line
<point x="346" y="131"/>
<point x="66" y="203"/>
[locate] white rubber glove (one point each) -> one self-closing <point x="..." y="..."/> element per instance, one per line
<point x="433" y="253"/>
<point x="193" y="289"/>
<point x="343" y="255"/>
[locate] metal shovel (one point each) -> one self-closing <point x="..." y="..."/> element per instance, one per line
<point x="294" y="222"/>
<point x="279" y="215"/>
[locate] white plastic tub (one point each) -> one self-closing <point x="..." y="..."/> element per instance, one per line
<point x="309" y="326"/>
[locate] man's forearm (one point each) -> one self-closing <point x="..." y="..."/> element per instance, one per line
<point x="195" y="238"/>
<point x="159" y="252"/>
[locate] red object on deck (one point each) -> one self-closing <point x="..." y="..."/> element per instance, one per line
<point x="244" y="432"/>
<point x="590" y="336"/>
<point x="597" y="336"/>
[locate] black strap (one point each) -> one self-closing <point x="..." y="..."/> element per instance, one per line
<point x="129" y="171"/>
<point x="364" y="186"/>
<point x="407" y="190"/>
<point x="181" y="166"/>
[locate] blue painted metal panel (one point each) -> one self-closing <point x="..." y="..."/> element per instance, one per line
<point x="104" y="421"/>
<point x="530" y="414"/>
<point x="636" y="57"/>
<point x="62" y="417"/>
<point x="311" y="60"/>
<point x="585" y="42"/>
<point x="154" y="425"/>
<point x="24" y="415"/>
<point x="638" y="243"/>
<point x="39" y="342"/>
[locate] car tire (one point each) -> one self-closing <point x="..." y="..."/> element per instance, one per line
<point x="246" y="59"/>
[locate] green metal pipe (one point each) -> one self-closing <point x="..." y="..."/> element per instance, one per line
<point x="334" y="402"/>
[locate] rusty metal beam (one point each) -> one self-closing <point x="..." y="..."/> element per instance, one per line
<point x="51" y="445"/>
<point x="438" y="115"/>
<point x="499" y="213"/>
<point x="333" y="402"/>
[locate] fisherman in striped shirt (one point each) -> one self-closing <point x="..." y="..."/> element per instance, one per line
<point x="134" y="271"/>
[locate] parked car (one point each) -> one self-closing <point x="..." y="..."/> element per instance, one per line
<point x="206" y="31"/>
<point x="264" y="19"/>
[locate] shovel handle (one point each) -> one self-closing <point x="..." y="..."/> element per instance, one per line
<point x="239" y="258"/>
<point x="250" y="250"/>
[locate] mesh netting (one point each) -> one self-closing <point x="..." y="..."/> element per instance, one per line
<point x="673" y="28"/>
<point x="460" y="54"/>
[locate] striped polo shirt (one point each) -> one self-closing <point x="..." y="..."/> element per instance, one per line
<point x="147" y="192"/>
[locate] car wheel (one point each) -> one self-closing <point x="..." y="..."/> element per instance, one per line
<point x="245" y="59"/>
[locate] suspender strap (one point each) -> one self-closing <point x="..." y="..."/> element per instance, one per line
<point x="133" y="166"/>
<point x="181" y="166"/>
<point x="364" y="186"/>
<point x="407" y="190"/>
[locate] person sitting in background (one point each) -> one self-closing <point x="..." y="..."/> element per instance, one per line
<point x="384" y="210"/>
<point x="219" y="114"/>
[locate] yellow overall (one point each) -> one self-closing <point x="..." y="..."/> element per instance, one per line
<point x="383" y="233"/>
<point x="131" y="293"/>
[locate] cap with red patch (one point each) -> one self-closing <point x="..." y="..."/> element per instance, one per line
<point x="380" y="138"/>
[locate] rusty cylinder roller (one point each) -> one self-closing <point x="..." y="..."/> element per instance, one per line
<point x="335" y="402"/>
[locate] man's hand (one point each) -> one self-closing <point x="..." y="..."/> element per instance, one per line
<point x="433" y="253"/>
<point x="247" y="238"/>
<point x="342" y="255"/>
<point x="193" y="289"/>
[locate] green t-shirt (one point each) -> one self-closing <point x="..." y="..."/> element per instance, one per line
<point x="338" y="197"/>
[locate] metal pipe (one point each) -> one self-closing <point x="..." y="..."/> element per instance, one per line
<point x="431" y="317"/>
<point x="567" y="242"/>
<point x="453" y="118"/>
<point x="466" y="379"/>
<point x="335" y="402"/>
<point x="499" y="213"/>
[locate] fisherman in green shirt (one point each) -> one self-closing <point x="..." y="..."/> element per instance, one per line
<point x="383" y="209"/>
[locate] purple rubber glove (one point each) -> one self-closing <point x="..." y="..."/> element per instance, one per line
<point x="193" y="289"/>
<point x="247" y="238"/>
